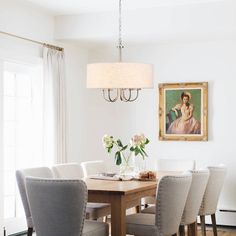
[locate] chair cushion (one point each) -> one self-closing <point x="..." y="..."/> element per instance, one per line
<point x="94" y="228"/>
<point x="149" y="210"/>
<point x="141" y="224"/>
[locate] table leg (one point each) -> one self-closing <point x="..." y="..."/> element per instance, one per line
<point x="118" y="214"/>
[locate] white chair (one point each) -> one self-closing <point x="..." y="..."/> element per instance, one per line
<point x="175" y="165"/>
<point x="194" y="199"/>
<point x="171" y="197"/>
<point x="58" y="208"/>
<point x="74" y="171"/>
<point x="42" y="172"/>
<point x="170" y="165"/>
<point x="211" y="196"/>
<point x="68" y="170"/>
<point x="93" y="167"/>
<point x="193" y="203"/>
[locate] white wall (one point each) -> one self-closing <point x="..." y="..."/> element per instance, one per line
<point x="212" y="61"/>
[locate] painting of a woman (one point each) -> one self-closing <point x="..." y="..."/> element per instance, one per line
<point x="185" y="123"/>
<point x="183" y="111"/>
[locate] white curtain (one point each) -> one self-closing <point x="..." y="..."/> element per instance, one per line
<point x="54" y="106"/>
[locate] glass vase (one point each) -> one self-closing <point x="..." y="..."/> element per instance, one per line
<point x="140" y="164"/>
<point x="127" y="166"/>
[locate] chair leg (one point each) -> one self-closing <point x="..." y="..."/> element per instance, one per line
<point x="137" y="209"/>
<point x="87" y="216"/>
<point x="192" y="229"/>
<point x="181" y="230"/>
<point x="203" y="225"/>
<point x="213" y="220"/>
<point x="30" y="232"/>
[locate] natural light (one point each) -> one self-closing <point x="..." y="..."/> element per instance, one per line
<point x="22" y="128"/>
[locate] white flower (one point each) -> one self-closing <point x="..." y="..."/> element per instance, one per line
<point x="107" y="141"/>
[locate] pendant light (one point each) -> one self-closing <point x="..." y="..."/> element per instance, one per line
<point x="120" y="80"/>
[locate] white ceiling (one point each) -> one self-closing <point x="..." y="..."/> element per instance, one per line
<point x="71" y="7"/>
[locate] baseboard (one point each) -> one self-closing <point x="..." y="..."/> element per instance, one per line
<point x="224" y="217"/>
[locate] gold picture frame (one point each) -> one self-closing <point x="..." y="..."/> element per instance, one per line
<point x="183" y="111"/>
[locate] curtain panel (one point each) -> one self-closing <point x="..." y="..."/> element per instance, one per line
<point x="54" y="106"/>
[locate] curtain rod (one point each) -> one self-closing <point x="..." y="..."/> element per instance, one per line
<point x="33" y="41"/>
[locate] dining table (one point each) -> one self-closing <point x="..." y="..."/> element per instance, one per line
<point x="121" y="195"/>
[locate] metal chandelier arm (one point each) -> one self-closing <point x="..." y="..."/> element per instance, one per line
<point x="106" y="93"/>
<point x="129" y="98"/>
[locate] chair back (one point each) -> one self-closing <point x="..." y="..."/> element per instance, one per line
<point x="175" y="165"/>
<point x="67" y="171"/>
<point x="213" y="189"/>
<point x="195" y="195"/>
<point x="171" y="197"/>
<point x="93" y="167"/>
<point x="57" y="206"/>
<point x="43" y="172"/>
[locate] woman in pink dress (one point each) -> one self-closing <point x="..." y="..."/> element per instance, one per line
<point x="186" y="123"/>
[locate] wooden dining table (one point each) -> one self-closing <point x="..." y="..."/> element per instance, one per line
<point x="121" y="195"/>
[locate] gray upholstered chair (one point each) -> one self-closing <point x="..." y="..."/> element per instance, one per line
<point x="194" y="199"/>
<point x="42" y="172"/>
<point x="170" y="165"/>
<point x="211" y="196"/>
<point x="171" y="197"/>
<point x="58" y="208"/>
<point x="74" y="171"/>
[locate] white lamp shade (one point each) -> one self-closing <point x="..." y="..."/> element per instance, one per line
<point x="119" y="75"/>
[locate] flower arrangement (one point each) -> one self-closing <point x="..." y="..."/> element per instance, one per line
<point x="137" y="145"/>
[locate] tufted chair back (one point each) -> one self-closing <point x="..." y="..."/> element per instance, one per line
<point x="43" y="172"/>
<point x="57" y="206"/>
<point x="195" y="195"/>
<point x="213" y="189"/>
<point x="170" y="201"/>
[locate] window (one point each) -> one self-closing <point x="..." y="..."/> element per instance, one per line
<point x="22" y="132"/>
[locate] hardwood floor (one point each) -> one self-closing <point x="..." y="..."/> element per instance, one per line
<point x="222" y="231"/>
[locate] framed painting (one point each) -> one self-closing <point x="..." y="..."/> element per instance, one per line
<point x="183" y="111"/>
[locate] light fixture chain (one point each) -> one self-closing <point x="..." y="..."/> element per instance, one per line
<point x="120" y="45"/>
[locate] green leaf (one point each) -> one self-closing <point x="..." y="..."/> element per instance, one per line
<point x="136" y="151"/>
<point x="118" y="158"/>
<point x="122" y="149"/>
<point x="147" y="141"/>
<point x="144" y="153"/>
<point x="119" y="143"/>
<point x="132" y="149"/>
